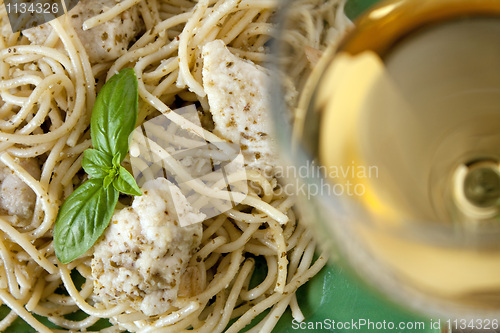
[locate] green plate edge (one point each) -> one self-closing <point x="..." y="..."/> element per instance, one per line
<point x="334" y="296"/>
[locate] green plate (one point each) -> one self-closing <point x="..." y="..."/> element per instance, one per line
<point x="354" y="8"/>
<point x="334" y="302"/>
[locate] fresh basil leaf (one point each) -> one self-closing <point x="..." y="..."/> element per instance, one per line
<point x="108" y="180"/>
<point x="125" y="183"/>
<point x="117" y="159"/>
<point x="115" y="114"/>
<point x="82" y="219"/>
<point x="86" y="213"/>
<point x="96" y="163"/>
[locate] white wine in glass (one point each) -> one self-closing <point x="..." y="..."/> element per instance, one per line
<point x="408" y="109"/>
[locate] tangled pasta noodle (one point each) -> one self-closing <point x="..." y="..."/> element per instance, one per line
<point x="47" y="92"/>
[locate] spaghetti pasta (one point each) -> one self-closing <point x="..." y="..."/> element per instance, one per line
<point x="47" y="92"/>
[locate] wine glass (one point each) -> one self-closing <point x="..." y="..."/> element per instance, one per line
<point x="398" y="130"/>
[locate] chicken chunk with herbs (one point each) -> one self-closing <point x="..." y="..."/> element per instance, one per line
<point x="144" y="252"/>
<point x="16" y="197"/>
<point x="105" y="42"/>
<point x="237" y="95"/>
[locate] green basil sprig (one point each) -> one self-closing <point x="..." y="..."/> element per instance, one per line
<point x="86" y="213"/>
